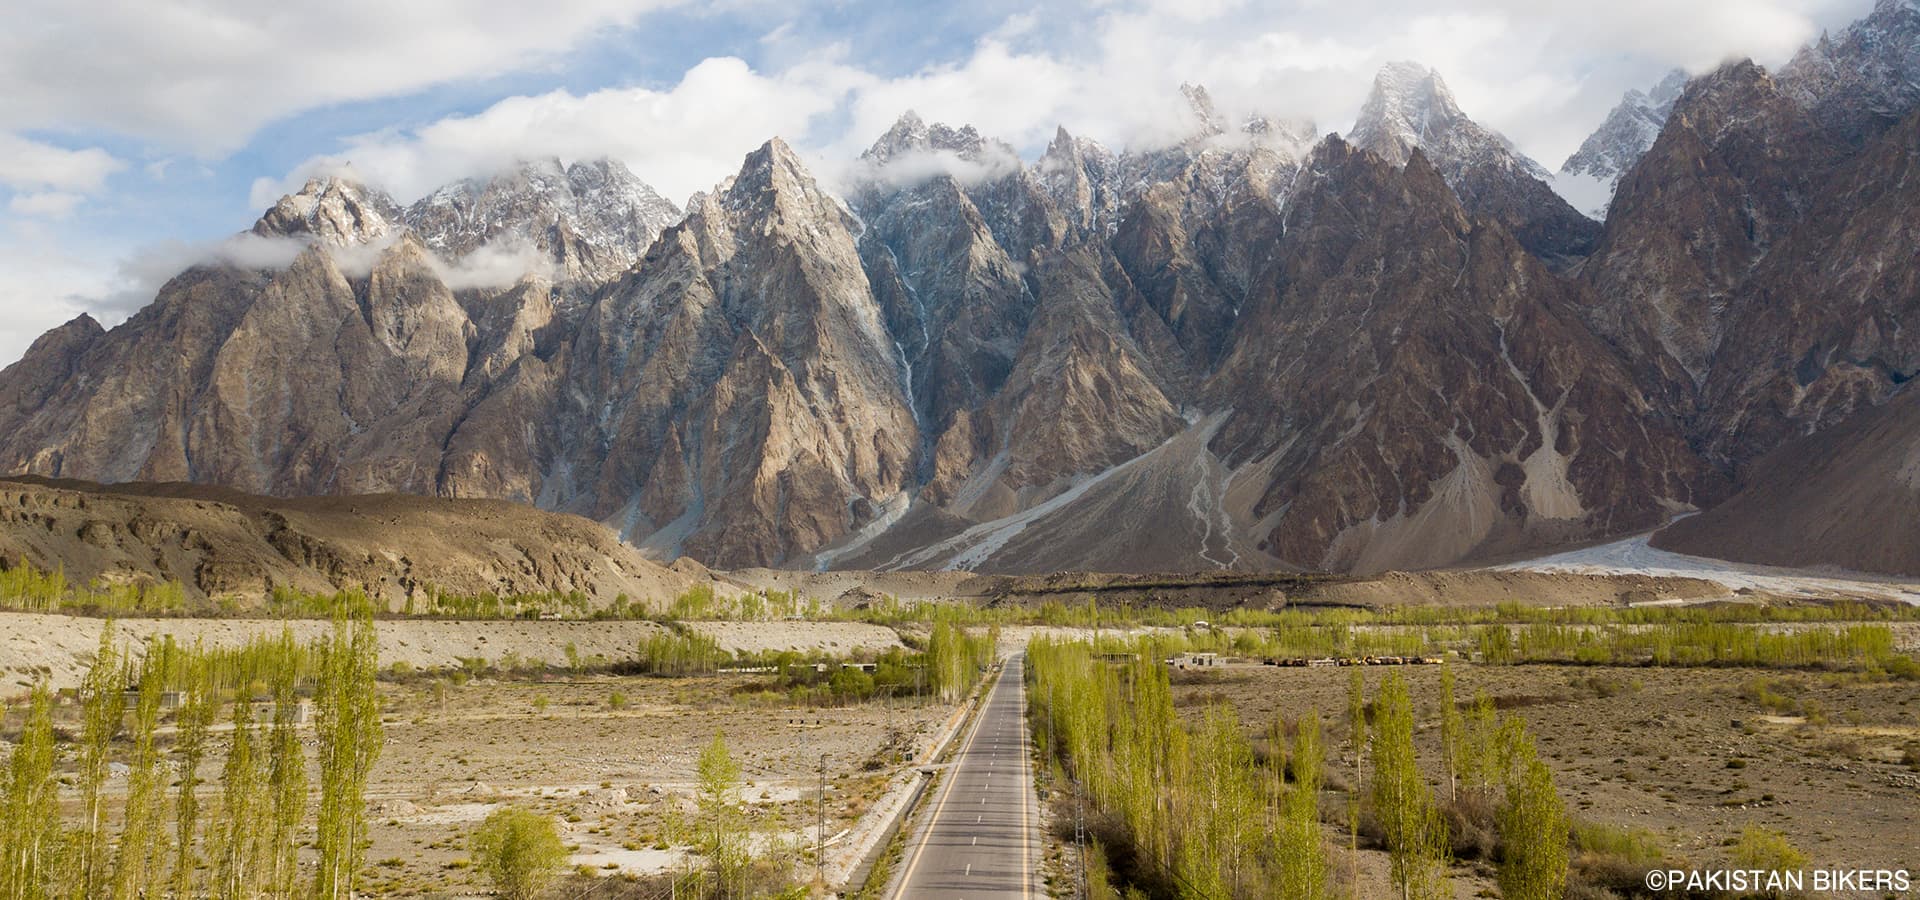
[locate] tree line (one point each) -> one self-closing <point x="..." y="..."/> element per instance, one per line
<point x="241" y="841"/>
<point x="1193" y="809"/>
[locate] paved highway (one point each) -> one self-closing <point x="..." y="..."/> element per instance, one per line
<point x="980" y="838"/>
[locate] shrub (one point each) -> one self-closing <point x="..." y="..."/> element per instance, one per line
<point x="520" y="851"/>
<point x="1764" y="848"/>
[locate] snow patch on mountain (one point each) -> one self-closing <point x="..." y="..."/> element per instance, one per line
<point x="1588" y="177"/>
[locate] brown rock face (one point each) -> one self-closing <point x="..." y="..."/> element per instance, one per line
<point x="1848" y="496"/>
<point x="1760" y="256"/>
<point x="745" y="398"/>
<point x="1410" y="107"/>
<point x="1247" y="349"/>
<point x="220" y="543"/>
<point x="1411" y="387"/>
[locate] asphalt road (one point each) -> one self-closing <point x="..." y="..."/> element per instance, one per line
<point x="980" y="838"/>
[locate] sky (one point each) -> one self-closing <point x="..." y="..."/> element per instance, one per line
<point x="135" y="135"/>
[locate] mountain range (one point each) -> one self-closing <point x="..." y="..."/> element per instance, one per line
<point x="1257" y="348"/>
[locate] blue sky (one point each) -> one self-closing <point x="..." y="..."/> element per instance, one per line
<point x="133" y="135"/>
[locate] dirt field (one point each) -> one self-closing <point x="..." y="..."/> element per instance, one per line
<point x="614" y="759"/>
<point x="613" y="775"/>
<point x="1692" y="754"/>
<point x="60" y="647"/>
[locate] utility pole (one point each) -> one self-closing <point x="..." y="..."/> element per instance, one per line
<point x="820" y="831"/>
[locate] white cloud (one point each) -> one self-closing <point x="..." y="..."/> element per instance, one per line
<point x="679" y="140"/>
<point x="1544" y="73"/>
<point x="495" y="266"/>
<point x="48" y="204"/>
<point x="29" y="165"/>
<point x="203" y="75"/>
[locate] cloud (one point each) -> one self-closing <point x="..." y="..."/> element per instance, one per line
<point x="679" y="140"/>
<point x="495" y="266"/>
<point x="48" y="204"/>
<point x="204" y="75"/>
<point x="29" y="165"/>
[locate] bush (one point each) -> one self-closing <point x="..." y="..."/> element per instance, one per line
<point x="520" y="851"/>
<point x="1764" y="848"/>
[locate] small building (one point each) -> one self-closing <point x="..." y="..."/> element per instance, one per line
<point x="168" y="699"/>
<point x="265" y="710"/>
<point x="1196" y="661"/>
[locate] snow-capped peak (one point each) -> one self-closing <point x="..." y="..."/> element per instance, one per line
<point x="1410" y="106"/>
<point x="594" y="217"/>
<point x="331" y="209"/>
<point x="1588" y="178"/>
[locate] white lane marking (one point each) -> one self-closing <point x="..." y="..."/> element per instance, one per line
<point x="969" y="868"/>
<point x="976" y="841"/>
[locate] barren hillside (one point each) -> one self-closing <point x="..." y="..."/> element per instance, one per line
<point x="225" y="544"/>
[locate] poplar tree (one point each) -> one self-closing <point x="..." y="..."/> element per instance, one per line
<point x="237" y="842"/>
<point x="1480" y="749"/>
<point x="287" y="776"/>
<point x="103" y="705"/>
<point x="1416" y="835"/>
<point x="29" y="807"/>
<point x="722" y="829"/>
<point x="142" y="839"/>
<point x="349" y="735"/>
<point x="1357" y="737"/>
<point x="1451" y="732"/>
<point x="1533" y="831"/>
<point x="197" y="710"/>
<point x="1303" y="859"/>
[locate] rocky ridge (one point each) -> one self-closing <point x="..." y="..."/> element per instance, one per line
<point x="1248" y="349"/>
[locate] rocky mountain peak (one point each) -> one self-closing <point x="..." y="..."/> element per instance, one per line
<point x="774" y="191"/>
<point x="1410" y="106"/>
<point x="1872" y="64"/>
<point x="333" y="210"/>
<point x="910" y="137"/>
<point x="1200" y="103"/>
<point x="1588" y="177"/>
<point x="593" y="219"/>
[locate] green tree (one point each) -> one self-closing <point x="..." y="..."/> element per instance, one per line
<point x="1357" y="739"/>
<point x="287" y="780"/>
<point x="103" y="705"/>
<point x="238" y="837"/>
<point x="349" y="735"/>
<point x="1452" y="731"/>
<point x="1416" y="834"/>
<point x="722" y="829"/>
<point x="1479" y="764"/>
<point x="1302" y="857"/>
<point x="143" y="842"/>
<point x="1533" y="832"/>
<point x="1763" y="848"/>
<point x="29" y="808"/>
<point x="197" y="710"/>
<point x="520" y="851"/>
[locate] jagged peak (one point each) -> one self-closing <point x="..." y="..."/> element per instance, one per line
<point x="331" y="208"/>
<point x="910" y="135"/>
<point x="1408" y="101"/>
<point x="1669" y="88"/>
<point x="773" y="168"/>
<point x="1200" y="103"/>
<point x="1411" y="106"/>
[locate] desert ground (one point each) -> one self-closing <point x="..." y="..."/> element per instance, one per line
<point x="614" y="759"/>
<point x="59" y="647"/>
<point x="1691" y="755"/>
